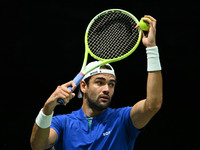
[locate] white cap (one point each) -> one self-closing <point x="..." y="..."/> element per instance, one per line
<point x="98" y="70"/>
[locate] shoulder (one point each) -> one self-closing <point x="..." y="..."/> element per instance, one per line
<point x="71" y="115"/>
<point x="74" y="115"/>
<point x="60" y="121"/>
<point x="123" y="111"/>
<point x="122" y="116"/>
<point x="128" y="108"/>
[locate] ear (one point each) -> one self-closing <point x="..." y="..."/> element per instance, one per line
<point x="83" y="86"/>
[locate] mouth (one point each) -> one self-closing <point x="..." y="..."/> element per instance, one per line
<point x="104" y="98"/>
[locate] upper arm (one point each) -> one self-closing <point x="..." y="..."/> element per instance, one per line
<point x="141" y="114"/>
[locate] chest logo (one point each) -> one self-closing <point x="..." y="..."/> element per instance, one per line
<point x="106" y="133"/>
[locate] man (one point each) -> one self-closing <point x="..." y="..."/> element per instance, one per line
<point x="95" y="125"/>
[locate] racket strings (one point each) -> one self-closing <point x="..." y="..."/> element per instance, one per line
<point x="112" y="35"/>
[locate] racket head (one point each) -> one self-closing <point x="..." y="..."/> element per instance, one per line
<point x="111" y="35"/>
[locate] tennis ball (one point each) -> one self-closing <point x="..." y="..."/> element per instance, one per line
<point x="144" y="25"/>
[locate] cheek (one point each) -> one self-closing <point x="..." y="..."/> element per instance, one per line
<point x="112" y="92"/>
<point x="93" y="93"/>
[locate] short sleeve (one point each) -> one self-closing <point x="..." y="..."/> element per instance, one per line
<point x="132" y="131"/>
<point x="57" y="124"/>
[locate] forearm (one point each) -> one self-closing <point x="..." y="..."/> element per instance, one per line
<point x="154" y="90"/>
<point x="41" y="130"/>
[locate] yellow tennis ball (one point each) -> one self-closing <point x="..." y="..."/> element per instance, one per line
<point x="144" y="25"/>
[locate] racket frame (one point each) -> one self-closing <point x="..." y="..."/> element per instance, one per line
<point x="104" y="61"/>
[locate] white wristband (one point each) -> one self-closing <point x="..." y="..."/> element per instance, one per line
<point x="42" y="120"/>
<point x="153" y="61"/>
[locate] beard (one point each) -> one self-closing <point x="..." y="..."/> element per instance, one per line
<point x="95" y="104"/>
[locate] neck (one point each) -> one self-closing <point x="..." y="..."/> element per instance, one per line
<point x="90" y="112"/>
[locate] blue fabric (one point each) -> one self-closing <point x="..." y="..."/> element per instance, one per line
<point x="111" y="130"/>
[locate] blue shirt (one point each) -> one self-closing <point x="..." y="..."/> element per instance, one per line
<point x="111" y="130"/>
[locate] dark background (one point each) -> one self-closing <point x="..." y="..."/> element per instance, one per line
<point x="43" y="47"/>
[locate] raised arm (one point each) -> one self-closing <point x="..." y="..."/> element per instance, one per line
<point x="43" y="136"/>
<point x="144" y="110"/>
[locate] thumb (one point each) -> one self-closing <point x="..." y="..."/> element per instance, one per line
<point x="70" y="84"/>
<point x="73" y="95"/>
<point x="73" y="86"/>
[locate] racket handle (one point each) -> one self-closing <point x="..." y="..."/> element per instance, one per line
<point x="76" y="81"/>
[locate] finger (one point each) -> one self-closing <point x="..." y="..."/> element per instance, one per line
<point x="61" y="96"/>
<point x="67" y="84"/>
<point x="146" y="20"/>
<point x="62" y="92"/>
<point x="149" y="22"/>
<point x="67" y="93"/>
<point x="65" y="97"/>
<point x="73" y="85"/>
<point x="65" y="89"/>
<point x="152" y="22"/>
<point x="137" y="26"/>
<point x="70" y="84"/>
<point x="73" y="95"/>
<point x="150" y="17"/>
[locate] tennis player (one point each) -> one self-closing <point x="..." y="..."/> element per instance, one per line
<point x="95" y="125"/>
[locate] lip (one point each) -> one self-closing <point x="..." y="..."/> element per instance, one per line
<point x="104" y="98"/>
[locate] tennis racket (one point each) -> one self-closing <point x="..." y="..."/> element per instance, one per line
<point x="110" y="36"/>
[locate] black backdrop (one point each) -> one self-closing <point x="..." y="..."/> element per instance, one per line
<point x="43" y="46"/>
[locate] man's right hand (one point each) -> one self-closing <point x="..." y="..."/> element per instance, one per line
<point x="61" y="92"/>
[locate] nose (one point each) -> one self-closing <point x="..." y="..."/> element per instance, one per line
<point x="106" y="89"/>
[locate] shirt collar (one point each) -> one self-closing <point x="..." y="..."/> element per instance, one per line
<point x="80" y="114"/>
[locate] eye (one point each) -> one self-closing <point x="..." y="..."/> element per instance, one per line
<point x="111" y="84"/>
<point x="99" y="83"/>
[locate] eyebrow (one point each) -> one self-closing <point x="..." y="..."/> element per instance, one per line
<point x="101" y="78"/>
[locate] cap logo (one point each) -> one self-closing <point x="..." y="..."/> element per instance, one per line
<point x="93" y="73"/>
